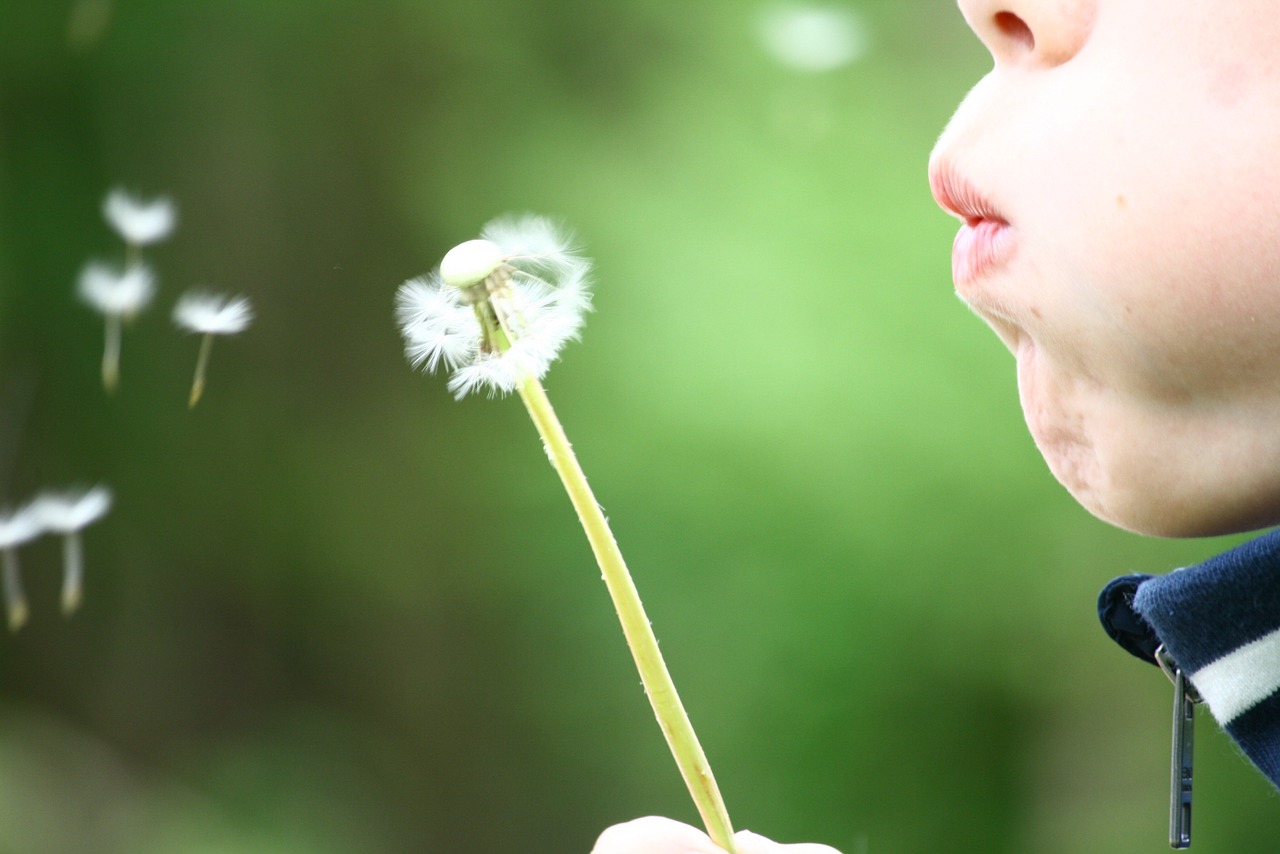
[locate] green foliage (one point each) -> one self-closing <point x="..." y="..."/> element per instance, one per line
<point x="334" y="610"/>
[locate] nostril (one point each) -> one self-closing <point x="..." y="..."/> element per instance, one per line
<point x="1016" y="29"/>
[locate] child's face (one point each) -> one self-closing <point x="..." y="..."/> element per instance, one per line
<point x="1119" y="173"/>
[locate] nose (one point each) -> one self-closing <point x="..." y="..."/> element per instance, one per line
<point x="1044" y="33"/>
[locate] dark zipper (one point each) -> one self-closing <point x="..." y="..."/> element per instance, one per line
<point x="1185" y="699"/>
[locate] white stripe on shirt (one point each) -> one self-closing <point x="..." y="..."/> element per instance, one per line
<point x="1241" y="679"/>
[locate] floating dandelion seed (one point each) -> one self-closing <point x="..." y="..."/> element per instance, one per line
<point x="118" y="294"/>
<point x="67" y="514"/>
<point x="814" y="38"/>
<point x="497" y="309"/>
<point x="112" y="290"/>
<point x="209" y="315"/>
<point x="139" y="221"/>
<point x="16" y="527"/>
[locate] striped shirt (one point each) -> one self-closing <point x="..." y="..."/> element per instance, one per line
<point x="1220" y="621"/>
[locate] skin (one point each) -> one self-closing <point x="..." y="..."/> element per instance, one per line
<point x="1134" y="151"/>
<point x="655" y="835"/>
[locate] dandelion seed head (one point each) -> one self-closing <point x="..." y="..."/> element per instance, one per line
<point x="470" y="263"/>
<point x="212" y="314"/>
<point x="66" y="512"/>
<point x="18" y="526"/>
<point x="541" y="299"/>
<point x="115" y="291"/>
<point x="140" y="222"/>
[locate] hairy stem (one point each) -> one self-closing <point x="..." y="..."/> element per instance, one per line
<point x="635" y="624"/>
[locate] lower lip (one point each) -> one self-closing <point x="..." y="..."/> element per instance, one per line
<point x="981" y="246"/>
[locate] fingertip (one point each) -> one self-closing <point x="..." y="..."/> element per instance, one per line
<point x="753" y="843"/>
<point x="748" y="842"/>
<point x="654" y="835"/>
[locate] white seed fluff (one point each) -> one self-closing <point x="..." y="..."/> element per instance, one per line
<point x="814" y="38"/>
<point x="116" y="291"/>
<point x="18" y="526"/>
<point x="65" y="512"/>
<point x="212" y="314"/>
<point x="138" y="221"/>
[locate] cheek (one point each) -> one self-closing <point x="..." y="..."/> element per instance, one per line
<point x="1187" y="303"/>
<point x="1166" y="264"/>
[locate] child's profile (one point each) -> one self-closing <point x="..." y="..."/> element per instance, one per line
<point x="1117" y="183"/>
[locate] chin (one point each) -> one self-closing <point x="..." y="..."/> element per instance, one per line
<point x="1156" y="510"/>
<point x="1174" y="490"/>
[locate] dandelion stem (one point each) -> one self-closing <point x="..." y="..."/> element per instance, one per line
<point x="635" y="624"/>
<point x="15" y="599"/>
<point x="202" y="364"/>
<point x="72" y="572"/>
<point x="111" y="353"/>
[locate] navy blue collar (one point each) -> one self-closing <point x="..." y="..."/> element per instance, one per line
<point x="1220" y="622"/>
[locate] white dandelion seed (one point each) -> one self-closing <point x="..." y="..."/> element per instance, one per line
<point x="498" y="308"/>
<point x="139" y="221"/>
<point x="212" y="314"/>
<point x="119" y="294"/>
<point x="68" y="513"/>
<point x="114" y="290"/>
<point x="814" y="38"/>
<point x="16" y="527"/>
<point x="209" y="315"/>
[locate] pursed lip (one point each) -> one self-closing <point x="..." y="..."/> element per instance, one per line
<point x="985" y="240"/>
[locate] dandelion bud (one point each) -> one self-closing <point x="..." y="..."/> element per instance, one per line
<point x="470" y="263"/>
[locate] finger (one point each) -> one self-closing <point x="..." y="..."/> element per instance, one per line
<point x="654" y="835"/>
<point x="753" y="843"/>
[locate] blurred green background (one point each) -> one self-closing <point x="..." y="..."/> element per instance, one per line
<point x="334" y="610"/>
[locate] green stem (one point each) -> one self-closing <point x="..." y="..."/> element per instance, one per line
<point x="15" y="599"/>
<point x="635" y="624"/>
<point x="202" y="364"/>
<point x="111" y="353"/>
<point x="72" y="572"/>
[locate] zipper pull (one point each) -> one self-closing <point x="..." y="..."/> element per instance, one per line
<point x="1180" y="770"/>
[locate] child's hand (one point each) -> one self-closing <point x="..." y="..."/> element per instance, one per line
<point x="656" y="835"/>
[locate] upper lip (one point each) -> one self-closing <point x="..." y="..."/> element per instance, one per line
<point x="959" y="197"/>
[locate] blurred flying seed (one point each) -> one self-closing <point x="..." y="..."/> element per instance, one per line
<point x="210" y="315"/>
<point x="67" y="513"/>
<point x="16" y="527"/>
<point x="813" y="38"/>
